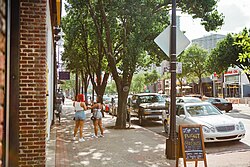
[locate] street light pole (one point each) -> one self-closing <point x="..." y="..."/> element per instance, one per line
<point x="171" y="142"/>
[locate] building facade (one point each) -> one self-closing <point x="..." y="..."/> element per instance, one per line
<point x="208" y="42"/>
<point x="2" y="73"/>
<point x="236" y="83"/>
<point x="27" y="52"/>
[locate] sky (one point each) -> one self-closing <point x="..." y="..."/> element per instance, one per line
<point x="237" y="16"/>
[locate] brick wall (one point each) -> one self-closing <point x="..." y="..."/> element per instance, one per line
<point x="32" y="83"/>
<point x="2" y="72"/>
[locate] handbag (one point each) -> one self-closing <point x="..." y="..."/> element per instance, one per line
<point x="92" y="118"/>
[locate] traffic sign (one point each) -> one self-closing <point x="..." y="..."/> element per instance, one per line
<point x="178" y="67"/>
<point x="163" y="41"/>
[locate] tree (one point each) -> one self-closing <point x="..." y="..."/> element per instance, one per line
<point x="110" y="88"/>
<point x="242" y="41"/>
<point x="125" y="30"/>
<point x="83" y="54"/>
<point x="194" y="59"/>
<point x="186" y="73"/>
<point x="138" y="83"/>
<point x="231" y="51"/>
<point x="151" y="78"/>
<point x="223" y="56"/>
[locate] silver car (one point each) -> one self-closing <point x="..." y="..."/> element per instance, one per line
<point x="216" y="125"/>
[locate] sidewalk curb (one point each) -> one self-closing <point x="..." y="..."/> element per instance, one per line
<point x="51" y="148"/>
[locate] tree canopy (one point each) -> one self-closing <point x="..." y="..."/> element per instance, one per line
<point x="194" y="60"/>
<point x="122" y="33"/>
<point x="232" y="51"/>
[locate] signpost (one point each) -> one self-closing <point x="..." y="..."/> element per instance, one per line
<point x="172" y="41"/>
<point x="191" y="145"/>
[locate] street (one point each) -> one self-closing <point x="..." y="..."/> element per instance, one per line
<point x="211" y="148"/>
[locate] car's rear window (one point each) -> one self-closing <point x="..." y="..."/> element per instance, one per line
<point x="151" y="99"/>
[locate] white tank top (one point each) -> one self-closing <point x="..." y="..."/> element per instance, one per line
<point x="78" y="107"/>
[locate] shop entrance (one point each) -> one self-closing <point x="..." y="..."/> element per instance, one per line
<point x="232" y="90"/>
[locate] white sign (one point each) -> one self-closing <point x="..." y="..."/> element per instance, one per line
<point x="163" y="41"/>
<point x="178" y="67"/>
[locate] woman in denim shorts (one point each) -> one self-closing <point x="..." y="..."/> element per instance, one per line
<point x="80" y="116"/>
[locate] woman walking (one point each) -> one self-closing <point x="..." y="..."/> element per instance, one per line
<point x="97" y="114"/>
<point x="80" y="116"/>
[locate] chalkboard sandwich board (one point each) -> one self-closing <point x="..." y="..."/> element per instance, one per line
<point x="191" y="144"/>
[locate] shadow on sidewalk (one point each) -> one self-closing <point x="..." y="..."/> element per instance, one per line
<point x="134" y="146"/>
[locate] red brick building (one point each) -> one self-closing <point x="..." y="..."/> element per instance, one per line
<point x="2" y="73"/>
<point x="27" y="55"/>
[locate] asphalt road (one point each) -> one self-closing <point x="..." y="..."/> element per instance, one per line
<point x="220" y="147"/>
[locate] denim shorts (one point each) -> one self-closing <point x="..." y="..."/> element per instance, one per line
<point x="80" y="115"/>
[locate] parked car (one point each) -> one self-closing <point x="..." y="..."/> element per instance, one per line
<point x="188" y="99"/>
<point x="194" y="95"/>
<point x="221" y="103"/>
<point x="147" y="106"/>
<point x="216" y="125"/>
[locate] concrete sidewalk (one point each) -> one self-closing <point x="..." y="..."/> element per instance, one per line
<point x="242" y="108"/>
<point x="134" y="147"/>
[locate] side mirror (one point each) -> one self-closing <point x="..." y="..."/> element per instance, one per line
<point x="182" y="116"/>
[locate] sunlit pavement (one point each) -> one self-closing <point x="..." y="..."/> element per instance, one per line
<point x="134" y="147"/>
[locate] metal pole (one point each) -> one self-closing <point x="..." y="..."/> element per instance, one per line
<point x="171" y="141"/>
<point x="223" y="86"/>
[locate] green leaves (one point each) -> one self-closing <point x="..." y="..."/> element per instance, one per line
<point x="242" y="41"/>
<point x="204" y="9"/>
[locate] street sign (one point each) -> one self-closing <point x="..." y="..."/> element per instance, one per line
<point x="178" y="67"/>
<point x="163" y="41"/>
<point x="64" y="75"/>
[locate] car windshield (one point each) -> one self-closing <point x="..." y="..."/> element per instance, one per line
<point x="223" y="100"/>
<point x="151" y="99"/>
<point x="202" y="110"/>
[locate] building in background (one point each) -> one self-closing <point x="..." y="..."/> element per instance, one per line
<point x="208" y="42"/>
<point x="236" y="83"/>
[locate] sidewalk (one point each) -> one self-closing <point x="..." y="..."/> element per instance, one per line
<point x="134" y="147"/>
<point x="242" y="108"/>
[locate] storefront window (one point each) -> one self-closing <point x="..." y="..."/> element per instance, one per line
<point x="232" y="79"/>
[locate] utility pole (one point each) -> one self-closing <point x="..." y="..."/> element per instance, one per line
<point x="171" y="142"/>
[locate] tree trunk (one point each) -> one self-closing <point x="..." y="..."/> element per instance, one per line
<point x="200" y="86"/>
<point x="122" y="109"/>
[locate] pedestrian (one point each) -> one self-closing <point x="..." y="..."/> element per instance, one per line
<point x="63" y="98"/>
<point x="97" y="116"/>
<point x="80" y="116"/>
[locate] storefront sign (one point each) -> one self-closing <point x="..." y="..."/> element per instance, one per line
<point x="232" y="72"/>
<point x="64" y="75"/>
